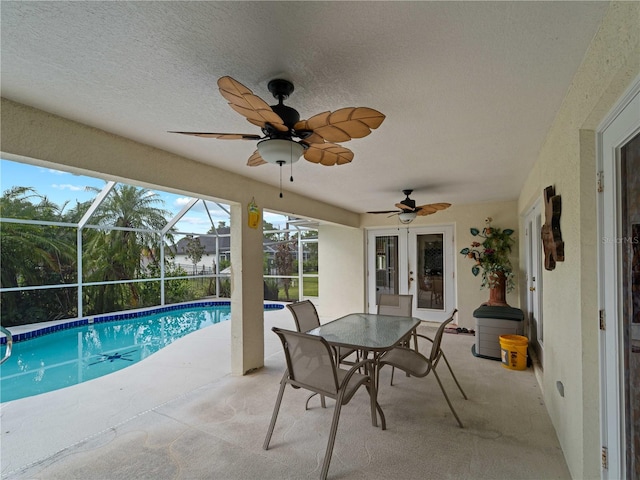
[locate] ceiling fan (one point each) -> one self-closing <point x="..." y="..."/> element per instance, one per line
<point x="285" y="138"/>
<point x="408" y="209"/>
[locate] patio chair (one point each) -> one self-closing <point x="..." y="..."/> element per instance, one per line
<point x="399" y="305"/>
<point x="417" y="365"/>
<point x="436" y="290"/>
<point x="424" y="288"/>
<point x="306" y="317"/>
<point x="311" y="365"/>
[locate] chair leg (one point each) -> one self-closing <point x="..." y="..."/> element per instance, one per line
<point x="376" y="377"/>
<point x="322" y="401"/>
<point x="383" y="420"/>
<point x="454" y="377"/>
<point x="276" y="409"/>
<point x="447" y="399"/>
<point x="332" y="438"/>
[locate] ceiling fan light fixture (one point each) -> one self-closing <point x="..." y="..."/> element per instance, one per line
<point x="280" y="151"/>
<point x="407" y="217"/>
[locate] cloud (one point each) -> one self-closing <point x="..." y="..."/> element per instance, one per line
<point x="182" y="201"/>
<point x="195" y="220"/>
<point x="68" y="186"/>
<point x="52" y="171"/>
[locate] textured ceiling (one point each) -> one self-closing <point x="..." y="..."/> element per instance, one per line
<point x="469" y="89"/>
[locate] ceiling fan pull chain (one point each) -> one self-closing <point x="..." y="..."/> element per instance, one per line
<point x="280" y="163"/>
<point x="291" y="163"/>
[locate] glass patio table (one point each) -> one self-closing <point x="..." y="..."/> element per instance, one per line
<point x="368" y="332"/>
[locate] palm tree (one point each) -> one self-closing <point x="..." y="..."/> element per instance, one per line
<point x="117" y="253"/>
<point x="35" y="255"/>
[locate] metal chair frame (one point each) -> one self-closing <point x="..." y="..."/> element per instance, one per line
<point x="339" y="389"/>
<point x="415" y="364"/>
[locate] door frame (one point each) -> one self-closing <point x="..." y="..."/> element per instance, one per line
<point x="618" y="128"/>
<point x="533" y="277"/>
<point x="407" y="241"/>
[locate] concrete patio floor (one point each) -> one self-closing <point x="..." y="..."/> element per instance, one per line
<point x="179" y="414"/>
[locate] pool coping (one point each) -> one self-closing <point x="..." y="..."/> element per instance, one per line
<point x="104" y="318"/>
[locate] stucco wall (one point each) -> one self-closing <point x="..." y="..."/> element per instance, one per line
<point x="463" y="217"/>
<point x="341" y="265"/>
<point x="569" y="299"/>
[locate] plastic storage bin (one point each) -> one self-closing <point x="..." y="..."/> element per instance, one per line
<point x="491" y="322"/>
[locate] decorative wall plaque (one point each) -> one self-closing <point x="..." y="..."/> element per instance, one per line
<point x="551" y="234"/>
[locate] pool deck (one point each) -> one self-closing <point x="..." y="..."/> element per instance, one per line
<point x="180" y="414"/>
<point x="72" y="415"/>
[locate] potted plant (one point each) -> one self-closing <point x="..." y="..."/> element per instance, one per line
<point x="491" y="258"/>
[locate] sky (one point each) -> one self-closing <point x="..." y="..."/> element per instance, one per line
<point x="60" y="186"/>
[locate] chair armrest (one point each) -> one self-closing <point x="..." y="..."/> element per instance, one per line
<point x="354" y="369"/>
<point x="425" y="337"/>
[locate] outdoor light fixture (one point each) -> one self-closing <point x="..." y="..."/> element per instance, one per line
<point x="407" y="217"/>
<point x="280" y="151"/>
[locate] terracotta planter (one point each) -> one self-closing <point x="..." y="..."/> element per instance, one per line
<point x="498" y="293"/>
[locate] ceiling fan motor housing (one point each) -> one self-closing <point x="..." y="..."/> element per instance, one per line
<point x="289" y="116"/>
<point x="281" y="89"/>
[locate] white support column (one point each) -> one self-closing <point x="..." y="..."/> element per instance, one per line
<point x="247" y="293"/>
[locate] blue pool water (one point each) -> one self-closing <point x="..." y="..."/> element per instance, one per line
<point x="61" y="356"/>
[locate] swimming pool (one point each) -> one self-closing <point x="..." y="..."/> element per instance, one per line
<point x="57" y="357"/>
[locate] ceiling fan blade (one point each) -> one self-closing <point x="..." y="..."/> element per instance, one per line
<point x="431" y="208"/>
<point x="222" y="136"/>
<point x="344" y="124"/>
<point x="255" y="159"/>
<point x="404" y="207"/>
<point x="386" y="211"/>
<point x="328" y="154"/>
<point x="249" y="105"/>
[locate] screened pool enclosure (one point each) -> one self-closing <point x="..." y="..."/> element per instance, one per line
<point x="84" y="246"/>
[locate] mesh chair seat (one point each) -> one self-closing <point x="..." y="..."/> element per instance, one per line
<point x="408" y="360"/>
<point x="319" y="381"/>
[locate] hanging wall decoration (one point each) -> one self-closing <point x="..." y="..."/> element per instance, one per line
<point x="551" y="234"/>
<point x="254" y="214"/>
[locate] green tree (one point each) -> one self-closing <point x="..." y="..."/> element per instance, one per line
<point x="116" y="254"/>
<point x="34" y="255"/>
<point x="284" y="261"/>
<point x="195" y="251"/>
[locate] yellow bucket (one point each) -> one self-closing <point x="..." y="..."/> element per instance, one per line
<point x="514" y="351"/>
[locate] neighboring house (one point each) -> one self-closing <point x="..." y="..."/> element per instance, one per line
<point x="211" y="243"/>
<point x="222" y="242"/>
